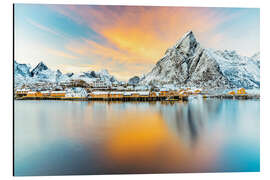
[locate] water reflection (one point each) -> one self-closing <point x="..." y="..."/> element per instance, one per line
<point x="64" y="137"/>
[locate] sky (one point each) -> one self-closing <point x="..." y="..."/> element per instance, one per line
<point x="125" y="40"/>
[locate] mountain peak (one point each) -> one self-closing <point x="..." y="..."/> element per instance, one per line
<point x="186" y="39"/>
<point x="42" y="64"/>
<point x="40" y="67"/>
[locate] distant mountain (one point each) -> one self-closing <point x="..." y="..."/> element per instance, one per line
<point x="38" y="69"/>
<point x="43" y="74"/>
<point x="188" y="64"/>
<point x="134" y="80"/>
<point x="21" y="73"/>
<point x="21" y="69"/>
<point x="256" y="58"/>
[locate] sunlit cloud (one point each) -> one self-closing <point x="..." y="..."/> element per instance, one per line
<point x="129" y="40"/>
<point x="139" y="35"/>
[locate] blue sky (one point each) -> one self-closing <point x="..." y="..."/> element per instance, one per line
<point x="125" y="40"/>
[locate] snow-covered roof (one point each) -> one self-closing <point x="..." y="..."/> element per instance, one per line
<point x="100" y="92"/>
<point x="117" y="92"/>
<point x="32" y="92"/>
<point x="58" y="92"/>
<point x="141" y="87"/>
<point x="45" y="92"/>
<point x="128" y="93"/>
<point x="143" y="93"/>
<point x="164" y="89"/>
<point x="22" y="90"/>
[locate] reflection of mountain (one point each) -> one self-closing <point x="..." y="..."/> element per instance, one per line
<point x="189" y="119"/>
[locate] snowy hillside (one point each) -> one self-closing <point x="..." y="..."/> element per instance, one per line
<point x="188" y="64"/>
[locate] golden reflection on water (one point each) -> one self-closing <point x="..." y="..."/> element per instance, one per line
<point x="56" y="138"/>
<point x="139" y="141"/>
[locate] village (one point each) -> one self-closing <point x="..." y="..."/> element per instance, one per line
<point x="100" y="90"/>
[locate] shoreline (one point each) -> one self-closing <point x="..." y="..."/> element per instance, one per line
<point x="162" y="98"/>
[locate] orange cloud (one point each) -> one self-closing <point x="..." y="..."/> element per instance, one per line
<point x="137" y="35"/>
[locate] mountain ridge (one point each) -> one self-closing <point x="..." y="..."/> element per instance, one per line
<point x="185" y="64"/>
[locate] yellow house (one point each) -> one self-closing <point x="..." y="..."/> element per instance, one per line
<point x="153" y="94"/>
<point x="21" y="92"/>
<point x="231" y="93"/>
<point x="45" y="93"/>
<point x="135" y="94"/>
<point x="241" y="91"/>
<point x="58" y="93"/>
<point x="184" y="93"/>
<point x="144" y="93"/>
<point x="116" y="94"/>
<point x="163" y="92"/>
<point x="181" y="90"/>
<point x="34" y="94"/>
<point x="100" y="94"/>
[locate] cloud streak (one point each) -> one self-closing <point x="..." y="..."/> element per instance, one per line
<point x="43" y="28"/>
<point x="138" y="36"/>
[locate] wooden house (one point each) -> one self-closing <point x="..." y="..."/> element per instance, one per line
<point x="163" y="92"/>
<point x="197" y="91"/>
<point x="135" y="94"/>
<point x="21" y="92"/>
<point x="100" y="94"/>
<point x="128" y="94"/>
<point x="144" y="93"/>
<point x="34" y="94"/>
<point x="184" y="93"/>
<point x="241" y="91"/>
<point x="153" y="94"/>
<point x="58" y="94"/>
<point x="231" y="93"/>
<point x="45" y="93"/>
<point x="116" y="94"/>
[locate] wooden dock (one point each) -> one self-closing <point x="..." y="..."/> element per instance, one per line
<point x="142" y="98"/>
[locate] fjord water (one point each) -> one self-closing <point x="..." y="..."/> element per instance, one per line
<point x="76" y="137"/>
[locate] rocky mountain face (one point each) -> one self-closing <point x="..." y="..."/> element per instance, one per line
<point x="38" y="69"/>
<point x="134" y="80"/>
<point x="188" y="64"/>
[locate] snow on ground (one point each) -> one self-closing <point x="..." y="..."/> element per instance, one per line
<point x="76" y="92"/>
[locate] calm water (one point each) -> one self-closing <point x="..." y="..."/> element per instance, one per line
<point x="65" y="137"/>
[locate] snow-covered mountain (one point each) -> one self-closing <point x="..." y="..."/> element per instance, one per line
<point x="134" y="80"/>
<point x="21" y="73"/>
<point x="21" y="69"/>
<point x="188" y="64"/>
<point x="41" y="74"/>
